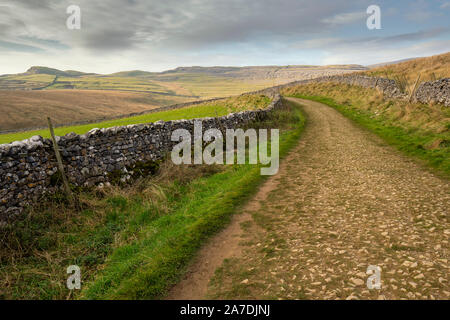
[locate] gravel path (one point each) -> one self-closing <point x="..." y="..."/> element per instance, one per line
<point x="343" y="200"/>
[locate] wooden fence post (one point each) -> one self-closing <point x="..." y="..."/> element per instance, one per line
<point x="414" y="89"/>
<point x="60" y="165"/>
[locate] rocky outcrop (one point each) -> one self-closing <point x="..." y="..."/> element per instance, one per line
<point x="434" y="92"/>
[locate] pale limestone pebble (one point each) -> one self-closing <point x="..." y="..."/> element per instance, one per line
<point x="357" y="282"/>
<point x="361" y="275"/>
<point x="427" y="263"/>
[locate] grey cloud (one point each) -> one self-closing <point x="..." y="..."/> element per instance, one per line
<point x="378" y="41"/>
<point x="241" y="21"/>
<point x="180" y="31"/>
<point x="36" y="4"/>
<point x="122" y="24"/>
<point x="345" y="18"/>
<point x="11" y="46"/>
<point x="109" y="40"/>
<point x="414" y="36"/>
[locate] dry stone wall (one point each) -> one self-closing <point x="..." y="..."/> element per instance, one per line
<point x="435" y="91"/>
<point x="28" y="168"/>
<point x="387" y="86"/>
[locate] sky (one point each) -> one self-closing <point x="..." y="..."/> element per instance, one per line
<point x="157" y="35"/>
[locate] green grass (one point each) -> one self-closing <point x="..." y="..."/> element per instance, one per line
<point x="412" y="142"/>
<point x="146" y="268"/>
<point x="199" y="85"/>
<point x="132" y="241"/>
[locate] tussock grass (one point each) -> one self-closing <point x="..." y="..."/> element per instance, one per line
<point x="402" y="82"/>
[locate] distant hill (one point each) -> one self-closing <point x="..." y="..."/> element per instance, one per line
<point x="250" y="72"/>
<point x="192" y="81"/>
<point x="389" y="63"/>
<point x="133" y="73"/>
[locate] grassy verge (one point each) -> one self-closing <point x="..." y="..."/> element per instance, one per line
<point x="412" y="141"/>
<point x="219" y="108"/>
<point x="131" y="242"/>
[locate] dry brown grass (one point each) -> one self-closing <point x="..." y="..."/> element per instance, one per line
<point x="29" y="109"/>
<point x="429" y="68"/>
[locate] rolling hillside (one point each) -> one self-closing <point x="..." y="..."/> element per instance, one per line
<point x="29" y="109"/>
<point x="430" y="68"/>
<point x="28" y="98"/>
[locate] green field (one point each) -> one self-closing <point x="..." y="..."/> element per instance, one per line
<point x="219" y="108"/>
<point x="180" y="84"/>
<point x="109" y="83"/>
<point x="25" y="81"/>
<point x="213" y="86"/>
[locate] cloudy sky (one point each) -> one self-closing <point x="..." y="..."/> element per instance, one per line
<point x="156" y="35"/>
